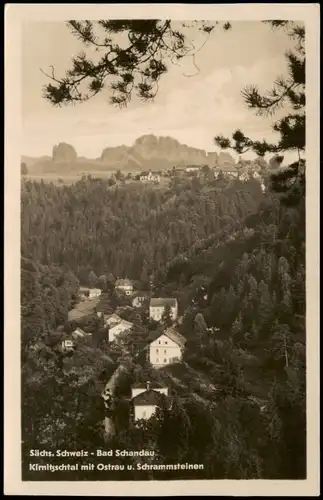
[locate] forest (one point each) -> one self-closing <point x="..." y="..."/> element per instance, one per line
<point x="130" y="231"/>
<point x="245" y="336"/>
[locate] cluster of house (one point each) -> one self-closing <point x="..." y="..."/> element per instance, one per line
<point x="116" y="325"/>
<point x="229" y="171"/>
<point x="121" y="285"/>
<point x="150" y="177"/>
<point x="162" y="348"/>
<point x="234" y="172"/>
<point x="242" y="171"/>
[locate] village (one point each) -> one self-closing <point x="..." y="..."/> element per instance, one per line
<point x="243" y="171"/>
<point x="164" y="347"/>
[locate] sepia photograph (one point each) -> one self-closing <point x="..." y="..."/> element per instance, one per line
<point x="163" y="243"/>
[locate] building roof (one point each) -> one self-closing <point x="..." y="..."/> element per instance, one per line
<point x="111" y="384"/>
<point x="139" y="299"/>
<point x="143" y="385"/>
<point x="123" y="322"/>
<point x="113" y="316"/>
<point x="171" y="333"/>
<point x="79" y="332"/>
<point x="123" y="282"/>
<point x="175" y="336"/>
<point x="150" y="397"/>
<point x="162" y="302"/>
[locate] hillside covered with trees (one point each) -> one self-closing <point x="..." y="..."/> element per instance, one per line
<point x="233" y="256"/>
<point x="130" y="231"/>
<point x="245" y="335"/>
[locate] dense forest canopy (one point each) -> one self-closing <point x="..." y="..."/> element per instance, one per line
<point x="245" y="333"/>
<point x="131" y="231"/>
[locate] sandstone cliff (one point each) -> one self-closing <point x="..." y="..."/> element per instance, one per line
<point x="147" y="152"/>
<point x="161" y="152"/>
<point x="64" y="152"/>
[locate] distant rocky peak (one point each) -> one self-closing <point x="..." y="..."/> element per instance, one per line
<point x="64" y="152"/>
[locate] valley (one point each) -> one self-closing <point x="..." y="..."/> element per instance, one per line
<point x="231" y="256"/>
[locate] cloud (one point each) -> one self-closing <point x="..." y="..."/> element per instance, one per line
<point x="210" y="105"/>
<point x="191" y="109"/>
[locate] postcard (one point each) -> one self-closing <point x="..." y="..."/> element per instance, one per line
<point x="161" y="249"/>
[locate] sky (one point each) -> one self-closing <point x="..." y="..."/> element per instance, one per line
<point x="192" y="105"/>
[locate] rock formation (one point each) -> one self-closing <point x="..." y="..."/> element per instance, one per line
<point x="161" y="152"/>
<point x="64" y="153"/>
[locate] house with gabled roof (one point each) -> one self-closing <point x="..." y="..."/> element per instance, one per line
<point x="165" y="348"/>
<point x="112" y="319"/>
<point x="121" y="327"/>
<point x="157" y="308"/>
<point x="124" y="285"/>
<point x="146" y="399"/>
<point x="79" y="333"/>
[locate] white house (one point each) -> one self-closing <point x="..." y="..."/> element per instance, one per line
<point x="150" y="177"/>
<point x="67" y="345"/>
<point x="120" y="327"/>
<point x="157" y="307"/>
<point x="124" y="285"/>
<point x="145" y="401"/>
<point x="94" y="292"/>
<point x="193" y="168"/>
<point x="166" y="348"/>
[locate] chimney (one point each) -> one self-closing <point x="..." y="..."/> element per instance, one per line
<point x="148" y="385"/>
